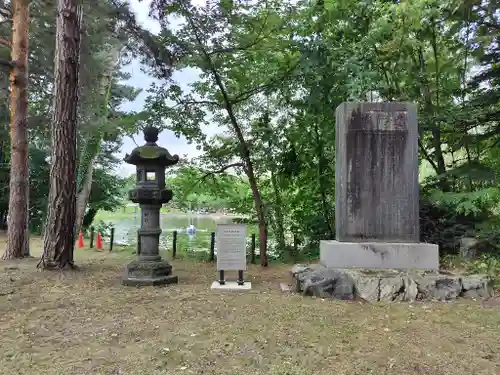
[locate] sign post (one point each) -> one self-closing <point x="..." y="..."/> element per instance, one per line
<point x="231" y="255"/>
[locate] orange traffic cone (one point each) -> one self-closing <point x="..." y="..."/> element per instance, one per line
<point x="99" y="241"/>
<point x="81" y="245"/>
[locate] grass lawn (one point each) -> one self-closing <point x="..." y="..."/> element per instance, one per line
<point x="86" y="322"/>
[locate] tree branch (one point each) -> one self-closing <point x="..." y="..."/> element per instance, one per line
<point x="5" y="12"/>
<point x="490" y="25"/>
<point x="221" y="170"/>
<point x="197" y="102"/>
<point x="212" y="173"/>
<point x="427" y="156"/>
<point x="9" y="64"/>
<point x="255" y="90"/>
<point x="5" y="43"/>
<point x="258" y="38"/>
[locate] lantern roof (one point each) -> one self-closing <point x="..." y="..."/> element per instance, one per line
<point x="151" y="154"/>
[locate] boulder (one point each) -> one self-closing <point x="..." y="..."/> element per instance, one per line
<point x="386" y="285"/>
<point x="468" y="247"/>
<point x="442" y="288"/>
<point x="324" y="282"/>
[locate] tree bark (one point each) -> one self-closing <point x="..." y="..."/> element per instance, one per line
<point x="17" y="220"/>
<point x="59" y="239"/>
<point x="279" y="225"/>
<point x="83" y="196"/>
<point x="261" y="216"/>
<point x="323" y="181"/>
<point x="89" y="217"/>
<point x="278" y="210"/>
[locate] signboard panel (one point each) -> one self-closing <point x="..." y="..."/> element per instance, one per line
<point x="231" y="247"/>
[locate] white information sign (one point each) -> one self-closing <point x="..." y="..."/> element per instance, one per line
<point x="231" y="247"/>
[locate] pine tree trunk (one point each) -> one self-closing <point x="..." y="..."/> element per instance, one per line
<point x="17" y="220"/>
<point x="59" y="239"/>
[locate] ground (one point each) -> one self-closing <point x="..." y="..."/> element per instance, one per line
<point x="86" y="322"/>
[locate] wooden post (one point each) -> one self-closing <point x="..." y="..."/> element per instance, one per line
<point x="212" y="246"/>
<point x="252" y="255"/>
<point x="138" y="242"/>
<point x="295" y="247"/>
<point x="91" y="237"/>
<point x="174" y="244"/>
<point x="111" y="239"/>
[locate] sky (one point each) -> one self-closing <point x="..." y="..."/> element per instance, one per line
<point x="143" y="81"/>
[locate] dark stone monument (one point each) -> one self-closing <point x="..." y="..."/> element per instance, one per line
<point x="377" y="190"/>
<point x="150" y="193"/>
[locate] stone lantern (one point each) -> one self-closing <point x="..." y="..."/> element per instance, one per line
<point x="150" y="192"/>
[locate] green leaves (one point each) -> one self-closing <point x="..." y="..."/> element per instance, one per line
<point x="272" y="73"/>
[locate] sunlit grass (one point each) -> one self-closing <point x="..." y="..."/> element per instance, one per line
<point x="86" y="322"/>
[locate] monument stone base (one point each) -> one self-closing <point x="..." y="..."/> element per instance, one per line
<point x="145" y="273"/>
<point x="380" y="255"/>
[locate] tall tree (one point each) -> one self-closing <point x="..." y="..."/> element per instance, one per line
<point x="18" y="234"/>
<point x="218" y="39"/>
<point x="59" y="240"/>
<point x="92" y="145"/>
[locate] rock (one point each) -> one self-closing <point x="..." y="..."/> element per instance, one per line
<point x="367" y="287"/>
<point x="476" y="286"/>
<point x="326" y="282"/>
<point x="468" y="247"/>
<point x="386" y="285"/>
<point x="410" y="291"/>
<point x="471" y="294"/>
<point x="299" y="269"/>
<point x="391" y="289"/>
<point x="285" y="287"/>
<point x="442" y="288"/>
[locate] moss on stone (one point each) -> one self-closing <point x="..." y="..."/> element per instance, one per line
<point x="150" y="152"/>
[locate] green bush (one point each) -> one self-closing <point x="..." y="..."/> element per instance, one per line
<point x="485" y="264"/>
<point x="447" y="217"/>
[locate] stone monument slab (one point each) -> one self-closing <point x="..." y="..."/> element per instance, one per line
<point x="377" y="189"/>
<point x="376" y="172"/>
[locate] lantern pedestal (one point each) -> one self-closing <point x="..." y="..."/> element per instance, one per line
<point x="144" y="273"/>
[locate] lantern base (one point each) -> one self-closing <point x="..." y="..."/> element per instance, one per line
<point x="139" y="273"/>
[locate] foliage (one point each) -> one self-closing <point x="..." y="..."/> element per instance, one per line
<point x="195" y="188"/>
<point x="104" y="228"/>
<point x="271" y="76"/>
<point x="99" y="128"/>
<point x="485" y="264"/>
<point x="106" y="190"/>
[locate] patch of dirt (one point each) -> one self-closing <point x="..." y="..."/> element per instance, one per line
<point x="86" y="322"/>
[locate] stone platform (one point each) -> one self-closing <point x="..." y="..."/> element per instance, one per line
<point x="386" y="285"/>
<point x="231" y="285"/>
<point x="142" y="273"/>
<point x="383" y="255"/>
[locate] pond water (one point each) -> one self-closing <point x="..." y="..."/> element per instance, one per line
<point x="126" y="226"/>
